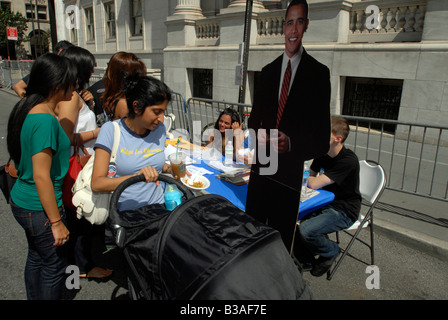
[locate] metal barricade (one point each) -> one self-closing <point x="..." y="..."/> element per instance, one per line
<point x="412" y="154"/>
<point x="97" y="75"/>
<point x="204" y="112"/>
<point x="5" y="69"/>
<point x="178" y="107"/>
<point x="12" y="71"/>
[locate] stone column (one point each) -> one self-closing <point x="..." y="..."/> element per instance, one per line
<point x="190" y="8"/>
<point x="240" y="6"/>
<point x="181" y="25"/>
<point x="242" y="3"/>
<point x="232" y="25"/>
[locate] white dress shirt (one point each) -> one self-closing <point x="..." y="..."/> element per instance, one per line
<point x="295" y="60"/>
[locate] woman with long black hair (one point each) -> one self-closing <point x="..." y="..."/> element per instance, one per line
<point x="228" y="119"/>
<point x="75" y="116"/>
<point x="40" y="148"/>
<point x="79" y="123"/>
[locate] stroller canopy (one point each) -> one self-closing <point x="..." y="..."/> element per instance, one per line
<point x="205" y="249"/>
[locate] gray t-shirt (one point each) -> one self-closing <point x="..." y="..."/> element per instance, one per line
<point x="135" y="152"/>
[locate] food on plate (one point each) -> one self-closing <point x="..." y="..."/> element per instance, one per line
<point x="195" y="184"/>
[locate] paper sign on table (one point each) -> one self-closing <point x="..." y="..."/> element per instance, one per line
<point x="309" y="194"/>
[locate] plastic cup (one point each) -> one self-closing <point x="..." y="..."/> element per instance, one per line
<point x="178" y="164"/>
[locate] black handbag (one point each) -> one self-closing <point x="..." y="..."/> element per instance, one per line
<point x="8" y="176"/>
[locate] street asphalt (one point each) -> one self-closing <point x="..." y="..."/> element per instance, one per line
<point x="411" y="252"/>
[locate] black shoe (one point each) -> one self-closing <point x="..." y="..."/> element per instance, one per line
<point x="322" y="266"/>
<point x="303" y="266"/>
<point x="306" y="266"/>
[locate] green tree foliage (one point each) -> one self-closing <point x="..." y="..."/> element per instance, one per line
<point x="11" y="19"/>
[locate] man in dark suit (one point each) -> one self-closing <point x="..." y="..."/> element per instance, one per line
<point x="302" y="120"/>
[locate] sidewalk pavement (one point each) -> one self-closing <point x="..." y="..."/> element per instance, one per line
<point x="417" y="221"/>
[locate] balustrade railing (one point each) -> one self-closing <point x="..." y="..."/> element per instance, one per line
<point x="270" y="27"/>
<point x="207" y="29"/>
<point x="397" y="21"/>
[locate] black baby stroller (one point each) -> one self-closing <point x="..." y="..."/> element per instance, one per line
<point x="204" y="249"/>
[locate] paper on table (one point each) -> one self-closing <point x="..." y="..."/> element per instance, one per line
<point x="198" y="170"/>
<point x="219" y="165"/>
<point x="309" y="194"/>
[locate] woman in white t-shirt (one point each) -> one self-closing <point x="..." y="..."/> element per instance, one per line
<point x="86" y="122"/>
<point x="79" y="123"/>
<point x="75" y="116"/>
<point x="141" y="148"/>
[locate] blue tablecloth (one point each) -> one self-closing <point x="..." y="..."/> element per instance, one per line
<point x="238" y="194"/>
<point x="312" y="204"/>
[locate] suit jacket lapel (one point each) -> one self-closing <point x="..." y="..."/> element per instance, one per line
<point x="273" y="88"/>
<point x="299" y="77"/>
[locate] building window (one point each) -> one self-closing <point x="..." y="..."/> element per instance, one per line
<point x="136" y="18"/>
<point x="73" y="35"/>
<point x="90" y="26"/>
<point x="203" y="83"/>
<point x="109" y="8"/>
<point x="373" y="98"/>
<point x="42" y="12"/>
<point x="39" y="43"/>
<point x="6" y="6"/>
<point x="30" y="13"/>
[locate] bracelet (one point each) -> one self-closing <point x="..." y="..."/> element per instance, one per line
<point x="53" y="222"/>
<point x="167" y="168"/>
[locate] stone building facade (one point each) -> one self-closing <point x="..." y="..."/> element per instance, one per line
<point x="390" y="63"/>
<point x="38" y="32"/>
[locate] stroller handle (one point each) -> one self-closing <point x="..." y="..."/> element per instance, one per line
<point x="113" y="209"/>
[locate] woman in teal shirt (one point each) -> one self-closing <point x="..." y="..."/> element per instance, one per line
<point x="40" y="148"/>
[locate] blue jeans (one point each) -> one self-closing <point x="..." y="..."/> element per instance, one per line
<point x="46" y="263"/>
<point x="314" y="228"/>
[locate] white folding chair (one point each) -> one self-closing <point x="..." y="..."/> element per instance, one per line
<point x="168" y="122"/>
<point x="372" y="180"/>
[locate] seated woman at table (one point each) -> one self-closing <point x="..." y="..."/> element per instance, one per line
<point x="228" y="119"/>
<point x="141" y="147"/>
<point x="339" y="173"/>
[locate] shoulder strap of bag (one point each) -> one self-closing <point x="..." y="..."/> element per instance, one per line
<point x="117" y="132"/>
<point x="84" y="177"/>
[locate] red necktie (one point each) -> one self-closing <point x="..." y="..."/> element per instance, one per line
<point x="284" y="92"/>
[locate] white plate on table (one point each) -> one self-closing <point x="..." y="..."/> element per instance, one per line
<point x="188" y="181"/>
